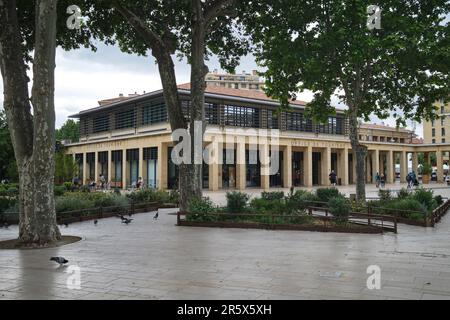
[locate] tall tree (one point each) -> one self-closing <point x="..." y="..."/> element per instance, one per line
<point x="325" y="46"/>
<point x="29" y="26"/>
<point x="189" y="28"/>
<point x="8" y="167"/>
<point x="70" y="130"/>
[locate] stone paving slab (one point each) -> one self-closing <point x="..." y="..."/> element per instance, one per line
<point x="158" y="260"/>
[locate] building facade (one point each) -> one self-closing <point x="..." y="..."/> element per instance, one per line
<point x="438" y="131"/>
<point x="131" y="138"/>
<point x="243" y="81"/>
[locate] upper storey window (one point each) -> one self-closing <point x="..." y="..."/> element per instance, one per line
<point x="100" y="123"/>
<point x="154" y="113"/>
<point x="125" y="119"/>
<point x="238" y="116"/>
<point x="296" y="121"/>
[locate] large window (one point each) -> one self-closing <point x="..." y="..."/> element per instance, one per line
<point x="116" y="158"/>
<point x="154" y="113"/>
<point x="151" y="156"/>
<point x="238" y="116"/>
<point x="212" y="113"/>
<point x="133" y="161"/>
<point x="272" y="119"/>
<point x="442" y="131"/>
<point x="125" y="119"/>
<point x="295" y="121"/>
<point x="100" y="123"/>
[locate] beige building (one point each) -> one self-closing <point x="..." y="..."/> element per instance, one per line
<point x="438" y="131"/>
<point x="243" y="81"/>
<point x="131" y="138"/>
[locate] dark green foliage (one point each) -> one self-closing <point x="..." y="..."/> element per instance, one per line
<point x="201" y="206"/>
<point x="339" y="208"/>
<point x="438" y="199"/>
<point x="236" y="202"/>
<point x="7" y="203"/>
<point x="325" y="194"/>
<point x="80" y="200"/>
<point x="85" y="189"/>
<point x="68" y="186"/>
<point x="385" y="195"/>
<point x="70" y="130"/>
<point x="300" y="200"/>
<point x="427" y="168"/>
<point x="425" y="197"/>
<point x="276" y="195"/>
<point x="150" y="195"/>
<point x="403" y="207"/>
<point x="403" y="194"/>
<point x="59" y="190"/>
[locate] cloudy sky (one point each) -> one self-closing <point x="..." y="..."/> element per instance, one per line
<point x="84" y="77"/>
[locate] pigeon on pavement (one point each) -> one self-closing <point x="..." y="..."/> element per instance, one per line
<point x="95" y="221"/>
<point x="156" y="216"/>
<point x="59" y="260"/>
<point x="126" y="220"/>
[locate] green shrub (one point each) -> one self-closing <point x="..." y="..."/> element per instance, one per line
<point x="276" y="195"/>
<point x="415" y="216"/>
<point x="236" y="202"/>
<point x="85" y="189"/>
<point x="6" y="203"/>
<point x="71" y="203"/>
<point x="339" y="208"/>
<point x="201" y="206"/>
<point x="403" y="207"/>
<point x="150" y="195"/>
<point x="59" y="190"/>
<point x="325" y="194"/>
<point x="385" y="195"/>
<point x="68" y="186"/>
<point x="300" y="200"/>
<point x="262" y="205"/>
<point x="403" y="194"/>
<point x="174" y="196"/>
<point x="12" y="192"/>
<point x="427" y="168"/>
<point x="78" y="201"/>
<point x="425" y="197"/>
<point x="438" y="199"/>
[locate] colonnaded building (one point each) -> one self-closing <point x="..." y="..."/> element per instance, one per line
<point x="130" y="137"/>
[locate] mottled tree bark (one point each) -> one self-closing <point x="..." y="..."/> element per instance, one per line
<point x="32" y="138"/>
<point x="360" y="152"/>
<point x="198" y="86"/>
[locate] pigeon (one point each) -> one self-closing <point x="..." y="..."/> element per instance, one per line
<point x="6" y="225"/>
<point x="59" y="260"/>
<point x="122" y="217"/>
<point x="66" y="224"/>
<point x="156" y="216"/>
<point x="126" y="220"/>
<point x="95" y="221"/>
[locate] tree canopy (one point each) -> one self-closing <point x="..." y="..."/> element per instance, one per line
<point x="70" y="130"/>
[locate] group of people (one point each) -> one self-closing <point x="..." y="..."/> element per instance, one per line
<point x="92" y="184"/>
<point x="380" y="180"/>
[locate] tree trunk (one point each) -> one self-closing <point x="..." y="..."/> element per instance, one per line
<point x="44" y="122"/>
<point x="198" y="85"/>
<point x="360" y="151"/>
<point x="33" y="139"/>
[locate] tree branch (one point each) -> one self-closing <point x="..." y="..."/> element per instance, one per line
<point x="215" y="9"/>
<point x="150" y="37"/>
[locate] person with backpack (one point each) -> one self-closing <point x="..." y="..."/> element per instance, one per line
<point x="409" y="180"/>
<point x="377" y="180"/>
<point x="333" y="178"/>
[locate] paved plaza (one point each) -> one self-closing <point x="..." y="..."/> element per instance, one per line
<point x="157" y="260"/>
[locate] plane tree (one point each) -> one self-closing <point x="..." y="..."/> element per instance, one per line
<point x="325" y="46"/>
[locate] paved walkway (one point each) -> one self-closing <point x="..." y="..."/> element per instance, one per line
<point x="157" y="260"/>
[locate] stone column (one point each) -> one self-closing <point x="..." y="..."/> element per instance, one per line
<point x="214" y="166"/>
<point x="368" y="171"/>
<point x="390" y="167"/>
<point x="375" y="164"/>
<point x="403" y="166"/>
<point x="343" y="166"/>
<point x="439" y="165"/>
<point x="415" y="162"/>
<point x="124" y="169"/>
<point x="141" y="165"/>
<point x="287" y="167"/>
<point x="326" y="166"/>
<point x="265" y="166"/>
<point x="307" y="164"/>
<point x="84" y="168"/>
<point x="161" y="167"/>
<point x="241" y="175"/>
<point x="110" y="164"/>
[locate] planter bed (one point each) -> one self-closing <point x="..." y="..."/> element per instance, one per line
<point x="355" y="228"/>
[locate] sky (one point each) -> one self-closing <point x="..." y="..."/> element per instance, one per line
<point x="83" y="77"/>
